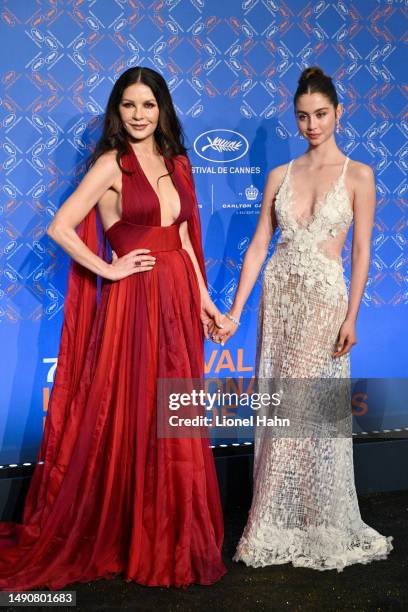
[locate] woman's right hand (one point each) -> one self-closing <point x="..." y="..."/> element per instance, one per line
<point x="220" y="336"/>
<point x="133" y="262"/>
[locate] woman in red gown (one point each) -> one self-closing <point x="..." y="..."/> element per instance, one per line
<point x="108" y="496"/>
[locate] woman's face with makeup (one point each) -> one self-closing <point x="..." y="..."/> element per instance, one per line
<point x="139" y="111"/>
<point x="316" y="117"/>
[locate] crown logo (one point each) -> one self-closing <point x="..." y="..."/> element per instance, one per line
<point x="251" y="193"/>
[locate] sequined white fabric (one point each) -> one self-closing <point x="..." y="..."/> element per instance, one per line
<point x="305" y="509"/>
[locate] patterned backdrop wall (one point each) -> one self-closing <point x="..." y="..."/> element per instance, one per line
<point x="232" y="67"/>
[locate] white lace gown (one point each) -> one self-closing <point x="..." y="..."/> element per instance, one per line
<point x="305" y="509"/>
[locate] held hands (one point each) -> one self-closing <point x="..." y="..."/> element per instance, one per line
<point x="346" y="338"/>
<point x="228" y="330"/>
<point x="210" y="316"/>
<point x="220" y="327"/>
<point x="133" y="262"/>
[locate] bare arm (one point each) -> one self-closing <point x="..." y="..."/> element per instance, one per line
<point x="364" y="206"/>
<point x="186" y="243"/>
<point x="62" y="228"/>
<point x="210" y="314"/>
<point x="255" y="255"/>
<point x="258" y="248"/>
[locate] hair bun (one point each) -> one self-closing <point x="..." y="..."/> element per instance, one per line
<point x="314" y="80"/>
<point x="311" y="73"/>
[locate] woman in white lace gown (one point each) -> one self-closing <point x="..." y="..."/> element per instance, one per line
<point x="304" y="508"/>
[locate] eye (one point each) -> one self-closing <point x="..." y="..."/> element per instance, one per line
<point x="301" y="117"/>
<point x="320" y="115"/>
<point x="150" y="105"/>
<point x="127" y="104"/>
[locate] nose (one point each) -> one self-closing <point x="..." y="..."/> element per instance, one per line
<point x="311" y="124"/>
<point x="138" y="112"/>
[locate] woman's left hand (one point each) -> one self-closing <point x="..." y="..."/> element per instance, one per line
<point x="210" y="317"/>
<point x="346" y="338"/>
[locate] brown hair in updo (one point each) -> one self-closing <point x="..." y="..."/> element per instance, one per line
<point x="313" y="80"/>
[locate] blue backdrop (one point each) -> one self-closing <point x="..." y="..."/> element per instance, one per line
<point x="232" y="68"/>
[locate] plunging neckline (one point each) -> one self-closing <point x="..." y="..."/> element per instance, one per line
<point x="319" y="202"/>
<point x="155" y="192"/>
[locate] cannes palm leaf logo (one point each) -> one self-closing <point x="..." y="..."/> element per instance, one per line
<point x="222" y="144"/>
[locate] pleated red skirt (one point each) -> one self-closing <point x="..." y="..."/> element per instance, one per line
<point x="110" y="497"/>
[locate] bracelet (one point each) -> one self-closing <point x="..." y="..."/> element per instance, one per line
<point x="231" y="318"/>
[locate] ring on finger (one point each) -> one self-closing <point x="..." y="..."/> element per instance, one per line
<point x="138" y="262"/>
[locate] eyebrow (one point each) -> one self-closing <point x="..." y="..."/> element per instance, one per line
<point x="316" y="111"/>
<point x="128" y="100"/>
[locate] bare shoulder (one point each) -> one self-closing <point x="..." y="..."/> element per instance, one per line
<point x="107" y="162"/>
<point x="276" y="176"/>
<point x="360" y="172"/>
<point x="278" y="172"/>
<point x="107" y="169"/>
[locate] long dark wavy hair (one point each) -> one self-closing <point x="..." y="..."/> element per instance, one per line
<point x="168" y="135"/>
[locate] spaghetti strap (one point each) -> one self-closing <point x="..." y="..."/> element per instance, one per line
<point x="287" y="173"/>
<point x="343" y="172"/>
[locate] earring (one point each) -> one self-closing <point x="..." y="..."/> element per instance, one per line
<point x="338" y="128"/>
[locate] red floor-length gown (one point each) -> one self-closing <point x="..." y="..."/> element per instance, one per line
<point x="109" y="496"/>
